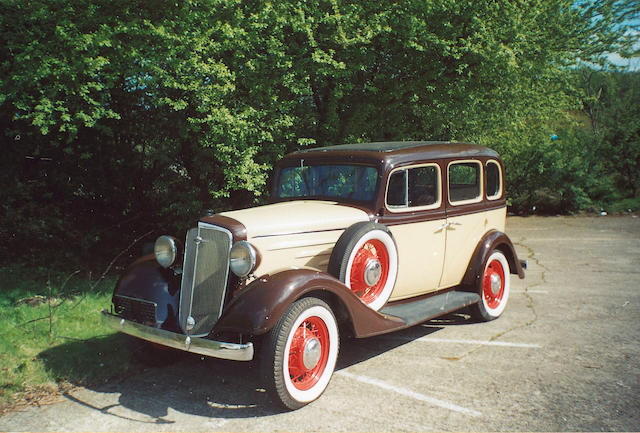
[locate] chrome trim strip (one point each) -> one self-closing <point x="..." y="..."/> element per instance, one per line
<point x="202" y="346"/>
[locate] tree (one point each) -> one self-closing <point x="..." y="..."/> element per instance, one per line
<point x="120" y="117"/>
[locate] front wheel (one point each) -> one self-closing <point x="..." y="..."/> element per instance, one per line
<point x="300" y="353"/>
<point x="493" y="288"/>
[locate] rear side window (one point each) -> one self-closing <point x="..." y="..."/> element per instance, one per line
<point x="465" y="182"/>
<point x="414" y="187"/>
<point x="494" y="180"/>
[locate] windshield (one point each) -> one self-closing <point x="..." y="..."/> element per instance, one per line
<point x="349" y="182"/>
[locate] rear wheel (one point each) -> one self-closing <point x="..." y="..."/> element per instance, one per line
<point x="299" y="354"/>
<point x="494" y="286"/>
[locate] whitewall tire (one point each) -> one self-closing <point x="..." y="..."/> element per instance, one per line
<point x="300" y="353"/>
<point x="365" y="259"/>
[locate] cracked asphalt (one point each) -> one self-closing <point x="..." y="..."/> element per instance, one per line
<point x="563" y="357"/>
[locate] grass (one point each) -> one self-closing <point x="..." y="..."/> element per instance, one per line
<point x="626" y="205"/>
<point x="51" y="337"/>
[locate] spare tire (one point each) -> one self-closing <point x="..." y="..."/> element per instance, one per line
<point x="365" y="259"/>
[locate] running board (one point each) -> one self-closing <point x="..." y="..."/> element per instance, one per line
<point x="425" y="309"/>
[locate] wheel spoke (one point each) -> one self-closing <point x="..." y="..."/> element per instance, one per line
<point x="493" y="284"/>
<point x="313" y="328"/>
<point x="370" y="251"/>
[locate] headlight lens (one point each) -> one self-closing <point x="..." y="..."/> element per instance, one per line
<point x="242" y="258"/>
<point x="165" y="250"/>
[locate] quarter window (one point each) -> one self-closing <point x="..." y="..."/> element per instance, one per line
<point x="465" y="180"/>
<point x="414" y="187"/>
<point x="494" y="181"/>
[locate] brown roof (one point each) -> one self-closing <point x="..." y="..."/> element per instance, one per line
<point x="396" y="151"/>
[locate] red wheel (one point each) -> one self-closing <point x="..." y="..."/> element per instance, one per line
<point x="493" y="284"/>
<point x="308" y="353"/>
<point x="301" y="353"/>
<point x="494" y="288"/>
<point x="366" y="260"/>
<point x="369" y="271"/>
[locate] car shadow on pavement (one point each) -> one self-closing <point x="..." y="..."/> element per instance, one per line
<point x="354" y="351"/>
<point x="215" y="388"/>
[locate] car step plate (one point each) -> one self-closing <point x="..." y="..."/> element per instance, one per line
<point x="424" y="309"/>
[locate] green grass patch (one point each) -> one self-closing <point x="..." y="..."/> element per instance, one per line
<point x="51" y="335"/>
<point x="627" y="205"/>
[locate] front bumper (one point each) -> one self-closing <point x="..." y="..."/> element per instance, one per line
<point x="202" y="346"/>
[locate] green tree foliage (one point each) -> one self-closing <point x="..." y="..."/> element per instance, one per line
<point x="612" y="108"/>
<point x="123" y="116"/>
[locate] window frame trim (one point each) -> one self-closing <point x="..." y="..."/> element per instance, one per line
<point x="480" y="196"/>
<point x="407" y="208"/>
<point x="498" y="195"/>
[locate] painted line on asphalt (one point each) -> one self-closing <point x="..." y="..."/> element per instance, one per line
<point x="544" y="292"/>
<point x="409" y="393"/>
<point x="480" y="342"/>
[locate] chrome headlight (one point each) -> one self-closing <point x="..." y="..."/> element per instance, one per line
<point x="165" y="250"/>
<point x="242" y="259"/>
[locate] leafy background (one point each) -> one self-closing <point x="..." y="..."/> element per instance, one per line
<point x="122" y="117"/>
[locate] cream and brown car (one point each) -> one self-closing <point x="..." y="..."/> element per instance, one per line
<point x="359" y="239"/>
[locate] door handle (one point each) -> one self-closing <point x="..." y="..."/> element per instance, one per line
<point x="446" y="225"/>
<point x="442" y="227"/>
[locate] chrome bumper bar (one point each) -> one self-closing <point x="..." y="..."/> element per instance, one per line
<point x="202" y="346"/>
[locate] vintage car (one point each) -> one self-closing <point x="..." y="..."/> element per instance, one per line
<point x="358" y="240"/>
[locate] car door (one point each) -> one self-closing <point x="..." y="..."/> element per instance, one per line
<point x="465" y="218"/>
<point x="415" y="214"/>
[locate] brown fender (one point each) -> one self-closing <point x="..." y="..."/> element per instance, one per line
<point x="259" y="306"/>
<point x="489" y="242"/>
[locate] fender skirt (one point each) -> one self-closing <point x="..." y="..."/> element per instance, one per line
<point x="491" y="241"/>
<point x="257" y="308"/>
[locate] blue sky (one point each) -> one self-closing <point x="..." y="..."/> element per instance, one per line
<point x="632" y="64"/>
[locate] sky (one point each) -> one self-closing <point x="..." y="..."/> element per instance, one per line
<point x="632" y="64"/>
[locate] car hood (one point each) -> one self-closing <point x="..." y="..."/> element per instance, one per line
<point x="296" y="217"/>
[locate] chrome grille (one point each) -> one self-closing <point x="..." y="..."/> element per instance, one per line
<point x="204" y="277"/>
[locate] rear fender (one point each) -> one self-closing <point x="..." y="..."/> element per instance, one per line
<point x="491" y="241"/>
<point x="259" y="306"/>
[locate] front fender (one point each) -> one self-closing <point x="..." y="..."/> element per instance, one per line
<point x="145" y="279"/>
<point x="492" y="240"/>
<point x="259" y="306"/>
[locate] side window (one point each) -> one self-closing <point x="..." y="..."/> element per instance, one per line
<point x="465" y="180"/>
<point x="423" y="186"/>
<point x="414" y="187"/>
<point x="494" y="181"/>
<point x="397" y="191"/>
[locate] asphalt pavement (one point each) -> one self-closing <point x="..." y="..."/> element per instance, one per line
<point x="563" y="357"/>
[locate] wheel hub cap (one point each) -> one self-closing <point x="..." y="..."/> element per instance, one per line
<point x="496" y="284"/>
<point x="372" y="272"/>
<point x="311" y="353"/>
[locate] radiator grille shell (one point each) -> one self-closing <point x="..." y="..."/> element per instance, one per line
<point x="204" y="277"/>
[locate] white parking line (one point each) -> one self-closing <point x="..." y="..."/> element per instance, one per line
<point x="481" y="342"/>
<point x="409" y="393"/>
<point x="475" y="342"/>
<point x="544" y="292"/>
